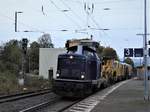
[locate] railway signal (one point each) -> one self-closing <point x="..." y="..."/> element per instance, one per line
<point x="24" y="45"/>
<point x="24" y="52"/>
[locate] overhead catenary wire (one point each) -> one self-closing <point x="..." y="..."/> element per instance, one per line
<point x="77" y="16"/>
<point x="33" y="28"/>
<point x="70" y="19"/>
<point x="99" y="1"/>
<point x="102" y="2"/>
<point x="37" y="30"/>
<point x="92" y="18"/>
<point x="112" y="1"/>
<point x="23" y="24"/>
<point x="75" y="1"/>
<point x="89" y="11"/>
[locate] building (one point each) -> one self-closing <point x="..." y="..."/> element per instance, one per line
<point x="48" y="60"/>
<point x="140" y="69"/>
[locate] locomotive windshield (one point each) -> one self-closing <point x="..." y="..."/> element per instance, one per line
<point x="81" y="50"/>
<point x="72" y="50"/>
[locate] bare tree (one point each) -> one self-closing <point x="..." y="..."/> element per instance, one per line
<point x="45" y="41"/>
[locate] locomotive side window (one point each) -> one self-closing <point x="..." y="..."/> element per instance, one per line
<point x="88" y="53"/>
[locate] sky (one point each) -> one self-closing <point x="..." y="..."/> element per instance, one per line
<point x="123" y="18"/>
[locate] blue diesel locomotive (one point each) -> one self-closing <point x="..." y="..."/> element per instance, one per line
<point x="78" y="72"/>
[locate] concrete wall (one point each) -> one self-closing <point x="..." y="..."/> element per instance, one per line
<point x="140" y="72"/>
<point x="48" y="59"/>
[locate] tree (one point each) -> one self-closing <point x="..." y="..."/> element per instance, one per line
<point x="45" y="41"/>
<point x="34" y="56"/>
<point x="99" y="51"/>
<point x="11" y="55"/>
<point x="109" y="53"/>
<point x="129" y="61"/>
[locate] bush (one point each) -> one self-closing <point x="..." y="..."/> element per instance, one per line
<point x="8" y="83"/>
<point x="36" y="82"/>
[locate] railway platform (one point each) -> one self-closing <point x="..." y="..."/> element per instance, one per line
<point x="129" y="97"/>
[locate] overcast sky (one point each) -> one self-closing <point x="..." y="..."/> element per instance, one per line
<point x="124" y="19"/>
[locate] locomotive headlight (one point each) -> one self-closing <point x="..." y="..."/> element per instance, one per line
<point x="82" y="76"/>
<point x="57" y="75"/>
<point x="71" y="57"/>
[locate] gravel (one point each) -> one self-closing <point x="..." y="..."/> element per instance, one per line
<point x="15" y="106"/>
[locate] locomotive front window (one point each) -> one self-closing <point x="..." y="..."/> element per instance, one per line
<point x="72" y="50"/>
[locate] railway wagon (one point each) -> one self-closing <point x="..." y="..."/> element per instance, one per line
<point x="128" y="71"/>
<point x="114" y="71"/>
<point x="78" y="72"/>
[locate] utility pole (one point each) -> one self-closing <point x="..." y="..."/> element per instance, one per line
<point x="16" y="20"/>
<point x="146" y="95"/>
<point x="145" y="52"/>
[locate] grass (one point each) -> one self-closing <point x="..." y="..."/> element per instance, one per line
<point x="8" y="83"/>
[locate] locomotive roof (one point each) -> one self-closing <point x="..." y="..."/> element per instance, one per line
<point x="84" y="42"/>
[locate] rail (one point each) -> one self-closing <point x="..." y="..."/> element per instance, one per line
<point x="18" y="96"/>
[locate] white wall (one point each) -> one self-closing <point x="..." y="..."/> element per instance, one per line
<point x="47" y="59"/>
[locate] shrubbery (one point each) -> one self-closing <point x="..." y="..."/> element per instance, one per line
<point x="8" y="83"/>
<point x="36" y="82"/>
<point x="11" y="65"/>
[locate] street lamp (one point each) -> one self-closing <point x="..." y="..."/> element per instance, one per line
<point x="16" y="14"/>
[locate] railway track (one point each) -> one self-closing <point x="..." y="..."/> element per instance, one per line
<point x="81" y="105"/>
<point x="38" y="107"/>
<point x="53" y="104"/>
<point x="41" y="105"/>
<point x="65" y="108"/>
<point x="62" y="105"/>
<point x="18" y="96"/>
<point x="43" y="102"/>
